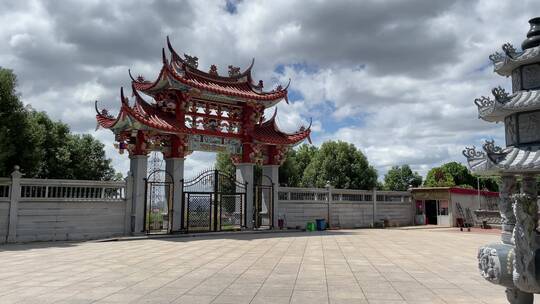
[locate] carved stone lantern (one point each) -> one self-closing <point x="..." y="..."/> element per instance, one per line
<point x="515" y="262"/>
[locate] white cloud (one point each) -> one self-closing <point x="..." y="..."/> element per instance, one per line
<point x="396" y="78"/>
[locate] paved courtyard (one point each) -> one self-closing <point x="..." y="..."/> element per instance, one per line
<point x="354" y="266"/>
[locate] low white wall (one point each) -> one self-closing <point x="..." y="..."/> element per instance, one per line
<point x="352" y="214"/>
<point x="399" y="214"/>
<point x="346" y="209"/>
<point x="69" y="220"/>
<point x="299" y="213"/>
<point x="4" y="220"/>
<point x="61" y="210"/>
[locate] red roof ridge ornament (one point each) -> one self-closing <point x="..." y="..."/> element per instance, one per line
<point x="164" y="57"/>
<point x="213" y="70"/>
<point x="192" y="61"/>
<point x="234" y="71"/>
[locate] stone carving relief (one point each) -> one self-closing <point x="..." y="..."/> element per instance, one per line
<point x="510" y="130"/>
<point x="489" y="264"/>
<point x="526" y="212"/>
<point x="516" y="80"/>
<point x="531" y="76"/>
<point x="529" y="127"/>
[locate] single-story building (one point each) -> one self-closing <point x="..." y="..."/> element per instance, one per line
<point x="445" y="206"/>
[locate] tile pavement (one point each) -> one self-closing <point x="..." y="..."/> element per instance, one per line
<point x="390" y="266"/>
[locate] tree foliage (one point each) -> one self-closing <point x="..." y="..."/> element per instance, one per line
<point x="437" y="177"/>
<point x="292" y="170"/>
<point x="225" y="164"/>
<point x="42" y="147"/>
<point x="401" y="178"/>
<point x="340" y="164"/>
<point x="456" y="174"/>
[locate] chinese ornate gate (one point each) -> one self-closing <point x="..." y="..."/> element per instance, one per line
<point x="187" y="109"/>
<point x="213" y="201"/>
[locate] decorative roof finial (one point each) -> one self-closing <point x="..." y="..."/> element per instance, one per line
<point x="213" y="70"/>
<point x="471" y="153"/>
<point x="500" y="94"/>
<point x="192" y="61"/>
<point x="533" y="36"/>
<point x="233" y="71"/>
<point x="509" y="49"/>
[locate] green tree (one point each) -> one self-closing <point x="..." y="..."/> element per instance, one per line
<point x="456" y="174"/>
<point x="42" y="147"/>
<point x="401" y="178"/>
<point x="225" y="164"/>
<point x="17" y="142"/>
<point x="87" y="157"/>
<point x="292" y="170"/>
<point x="342" y="165"/>
<point x="460" y="174"/>
<point x="437" y="177"/>
<point x="489" y="183"/>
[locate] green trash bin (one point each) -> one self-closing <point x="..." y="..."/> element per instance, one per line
<point x="310" y="226"/>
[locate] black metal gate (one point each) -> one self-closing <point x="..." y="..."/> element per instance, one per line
<point x="264" y="203"/>
<point x="159" y="194"/>
<point x="213" y="201"/>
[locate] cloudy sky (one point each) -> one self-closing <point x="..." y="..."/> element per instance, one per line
<point x="395" y="77"/>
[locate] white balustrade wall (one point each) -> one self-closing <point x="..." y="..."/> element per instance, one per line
<point x="51" y="210"/>
<point x="344" y="208"/>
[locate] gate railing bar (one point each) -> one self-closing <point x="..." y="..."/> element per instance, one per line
<point x="182" y="209"/>
<point x="146" y="224"/>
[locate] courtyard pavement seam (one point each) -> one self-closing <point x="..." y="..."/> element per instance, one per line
<point x="370" y="262"/>
<point x="60" y="287"/>
<point x="273" y="268"/>
<point x="135" y="270"/>
<point x="206" y="279"/>
<point x="448" y="282"/>
<point x="253" y="263"/>
<point x="324" y="264"/>
<point x="149" y="277"/>
<point x="299" y="267"/>
<point x="350" y="268"/>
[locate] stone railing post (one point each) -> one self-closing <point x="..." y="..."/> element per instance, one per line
<point x="329" y="203"/>
<point x="374" y="211"/>
<point x="128" y="224"/>
<point x="14" y="204"/>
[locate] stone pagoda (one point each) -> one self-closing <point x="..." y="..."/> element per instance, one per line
<point x="515" y="262"/>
